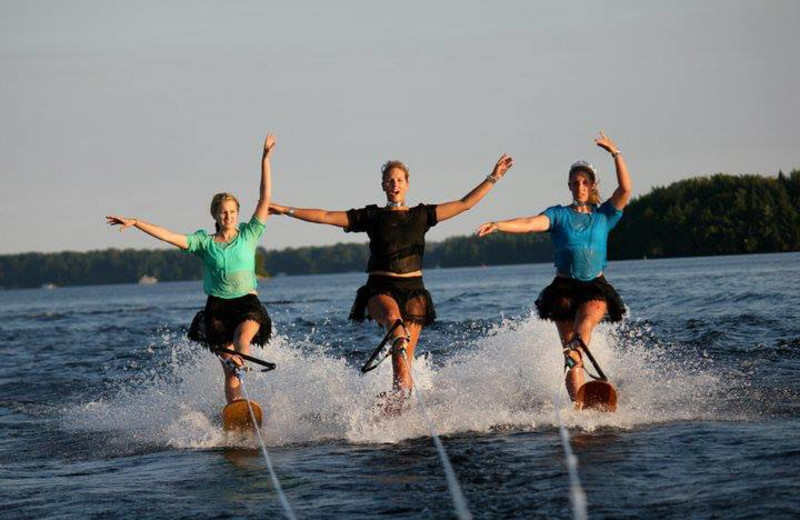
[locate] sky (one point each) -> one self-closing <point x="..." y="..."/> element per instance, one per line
<point x="147" y="108"/>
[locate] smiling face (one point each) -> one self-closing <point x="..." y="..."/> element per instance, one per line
<point x="228" y="214"/>
<point x="581" y="185"/>
<point x="225" y="210"/>
<point x="395" y="184"/>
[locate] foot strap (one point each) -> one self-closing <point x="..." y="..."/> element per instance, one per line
<point x="385" y="348"/>
<point x="232" y="367"/>
<point x="400" y="343"/>
<point x="577" y="344"/>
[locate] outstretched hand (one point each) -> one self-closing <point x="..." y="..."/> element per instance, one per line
<point x="277" y="209"/>
<point x="123" y="222"/>
<point x="503" y="164"/>
<point x="269" y="144"/>
<point x="486" y="229"/>
<point x="606" y="143"/>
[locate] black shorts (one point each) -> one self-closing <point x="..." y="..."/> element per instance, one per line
<point x="216" y="324"/>
<point x="560" y="300"/>
<point x="414" y="301"/>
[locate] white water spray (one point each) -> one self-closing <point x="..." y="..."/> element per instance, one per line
<point x="318" y="396"/>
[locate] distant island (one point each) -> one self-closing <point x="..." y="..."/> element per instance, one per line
<point x="717" y="215"/>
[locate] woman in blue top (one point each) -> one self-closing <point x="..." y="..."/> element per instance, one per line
<point x="579" y="297"/>
<point x="233" y="315"/>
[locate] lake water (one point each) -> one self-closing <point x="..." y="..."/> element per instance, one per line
<point x="106" y="411"/>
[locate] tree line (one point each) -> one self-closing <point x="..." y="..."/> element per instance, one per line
<point x="716" y="215"/>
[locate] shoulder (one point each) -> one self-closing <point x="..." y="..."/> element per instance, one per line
<point x="428" y="212"/>
<point x="555" y="210"/>
<point x="556" y="215"/>
<point x="254" y="222"/>
<point x="368" y="212"/>
<point x="199" y="240"/>
<point x="370" y="208"/>
<point x="608" y="209"/>
<point x="201" y="234"/>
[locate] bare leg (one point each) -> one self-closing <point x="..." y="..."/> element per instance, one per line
<point x="588" y="316"/>
<point x="241" y="343"/>
<point x="574" y="376"/>
<point x="586" y="319"/>
<point x="383" y="309"/>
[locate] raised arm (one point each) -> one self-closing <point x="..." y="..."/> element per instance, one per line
<point x="448" y="210"/>
<point x="170" y="237"/>
<point x="535" y="224"/>
<point x="622" y="194"/>
<point x="265" y="190"/>
<point x="317" y="216"/>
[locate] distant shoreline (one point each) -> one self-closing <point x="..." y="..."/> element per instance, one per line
<point x="428" y="269"/>
<point x="720" y="215"/>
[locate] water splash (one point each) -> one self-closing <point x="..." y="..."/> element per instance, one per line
<point x="504" y="379"/>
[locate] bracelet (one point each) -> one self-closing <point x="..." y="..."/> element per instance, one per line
<point x="615" y="154"/>
<point x="491" y="178"/>
<point x="290" y="212"/>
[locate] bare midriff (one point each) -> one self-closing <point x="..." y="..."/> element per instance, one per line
<point x="562" y="275"/>
<point x="413" y="274"/>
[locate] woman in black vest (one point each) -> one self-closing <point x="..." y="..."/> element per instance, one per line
<point x="394" y="290"/>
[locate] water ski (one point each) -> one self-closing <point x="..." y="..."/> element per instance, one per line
<point x="236" y="415"/>
<point x="596" y="395"/>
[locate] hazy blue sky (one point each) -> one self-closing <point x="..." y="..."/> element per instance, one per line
<point x="147" y="108"/>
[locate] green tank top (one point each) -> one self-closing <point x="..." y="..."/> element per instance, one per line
<point x="229" y="270"/>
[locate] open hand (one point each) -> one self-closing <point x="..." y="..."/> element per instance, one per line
<point x="606" y="143"/>
<point x="123" y="222"/>
<point x="503" y="164"/>
<point x="269" y="144"/>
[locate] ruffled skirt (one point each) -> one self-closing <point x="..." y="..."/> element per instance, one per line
<point x="414" y="301"/>
<point x="560" y="300"/>
<point x="216" y="324"/>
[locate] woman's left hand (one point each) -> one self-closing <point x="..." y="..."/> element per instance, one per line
<point x="487" y="229"/>
<point x="503" y="164"/>
<point x="269" y="144"/>
<point x="606" y="143"/>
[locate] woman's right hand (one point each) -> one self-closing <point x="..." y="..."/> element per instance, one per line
<point x="123" y="222"/>
<point x="487" y="229"/>
<point x="277" y="209"/>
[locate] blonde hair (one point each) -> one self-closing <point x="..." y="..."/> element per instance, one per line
<point x="216" y="204"/>
<point x="392" y="164"/>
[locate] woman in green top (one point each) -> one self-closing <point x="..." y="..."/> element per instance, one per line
<point x="233" y="315"/>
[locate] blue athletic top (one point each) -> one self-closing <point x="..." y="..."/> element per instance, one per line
<point x="229" y="270"/>
<point x="580" y="239"/>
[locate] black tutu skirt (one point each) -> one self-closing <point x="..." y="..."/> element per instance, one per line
<point x="216" y="324"/>
<point x="560" y="300"/>
<point x="413" y="299"/>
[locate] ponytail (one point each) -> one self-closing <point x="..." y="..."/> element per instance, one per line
<point x="594" y="196"/>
